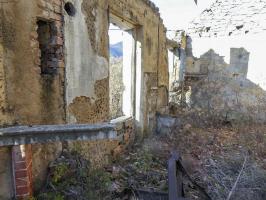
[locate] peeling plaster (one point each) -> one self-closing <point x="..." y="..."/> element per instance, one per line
<point x="83" y="66"/>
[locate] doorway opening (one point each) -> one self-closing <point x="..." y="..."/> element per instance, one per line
<point x="121" y="70"/>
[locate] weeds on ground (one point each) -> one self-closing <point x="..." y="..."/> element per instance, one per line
<point x="72" y="177"/>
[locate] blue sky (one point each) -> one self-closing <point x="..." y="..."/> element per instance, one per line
<point x="178" y="13"/>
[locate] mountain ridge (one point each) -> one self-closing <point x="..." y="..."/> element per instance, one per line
<point x="116" y="50"/>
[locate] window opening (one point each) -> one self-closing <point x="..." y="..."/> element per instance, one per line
<point x="121" y="74"/>
<point x="48" y="48"/>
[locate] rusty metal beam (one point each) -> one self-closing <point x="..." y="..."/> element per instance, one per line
<point x="176" y="171"/>
<point x="175" y="179"/>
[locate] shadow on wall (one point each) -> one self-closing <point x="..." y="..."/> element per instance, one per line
<point x="218" y="89"/>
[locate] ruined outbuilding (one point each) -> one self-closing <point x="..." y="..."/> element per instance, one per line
<point x="219" y="66"/>
<point x="54" y="65"/>
<point x="233" y="24"/>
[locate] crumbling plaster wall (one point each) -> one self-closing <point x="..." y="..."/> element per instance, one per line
<point x="152" y="35"/>
<point x="27" y="96"/>
<point x="87" y="34"/>
<point x="79" y="91"/>
<point x="32" y="98"/>
<point x="86" y="68"/>
<point x="4" y="114"/>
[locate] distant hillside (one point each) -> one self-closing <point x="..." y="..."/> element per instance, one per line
<point x="116" y="50"/>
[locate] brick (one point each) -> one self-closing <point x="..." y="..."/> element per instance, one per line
<point x="22" y="162"/>
<point x="21" y="174"/>
<point x="29" y="167"/>
<point x="22" y="190"/>
<point x="20" y="165"/>
<point x="22" y="182"/>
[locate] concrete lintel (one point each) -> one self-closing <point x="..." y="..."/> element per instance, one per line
<point x="18" y="135"/>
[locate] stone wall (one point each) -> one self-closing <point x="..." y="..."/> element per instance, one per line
<point x="252" y="43"/>
<point x="86" y="49"/>
<point x="34" y="97"/>
<point x="30" y="95"/>
<point x="233" y="24"/>
<point x="151" y="33"/>
<point x="24" y="166"/>
<point x="222" y="90"/>
<point x="4" y="111"/>
<point x="72" y="84"/>
<point x="42" y="156"/>
<point x="236" y="31"/>
<point x="99" y="152"/>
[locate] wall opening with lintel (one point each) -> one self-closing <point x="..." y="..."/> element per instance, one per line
<point x="122" y="68"/>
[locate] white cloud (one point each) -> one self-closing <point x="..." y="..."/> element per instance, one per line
<point x="177" y="14"/>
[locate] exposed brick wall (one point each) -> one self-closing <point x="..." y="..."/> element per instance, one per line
<point x="51" y="11"/>
<point x="52" y="65"/>
<point x="22" y="170"/>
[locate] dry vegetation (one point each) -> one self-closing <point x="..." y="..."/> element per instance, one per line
<point x="213" y="157"/>
<point x="116" y="87"/>
<point x="217" y="156"/>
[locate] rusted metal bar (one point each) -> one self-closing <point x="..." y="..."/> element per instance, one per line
<point x="175" y="181"/>
<point x="176" y="171"/>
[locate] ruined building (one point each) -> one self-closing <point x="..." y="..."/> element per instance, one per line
<point x="54" y="65"/>
<point x="219" y="67"/>
<point x="228" y="24"/>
